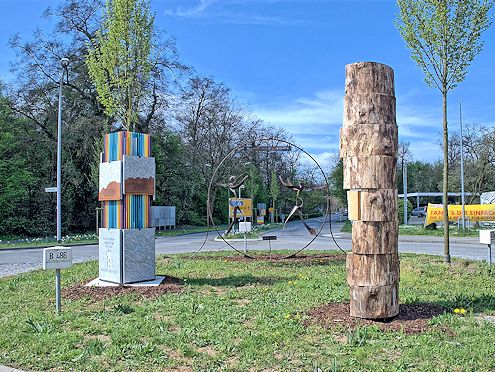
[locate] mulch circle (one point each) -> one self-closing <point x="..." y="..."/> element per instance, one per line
<point x="76" y="292"/>
<point x="412" y="318"/>
<point x="270" y="258"/>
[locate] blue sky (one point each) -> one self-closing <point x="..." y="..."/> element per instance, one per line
<point x="286" y="60"/>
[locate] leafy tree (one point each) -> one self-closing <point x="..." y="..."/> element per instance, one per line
<point x="337" y="182"/>
<point x="253" y="183"/>
<point x="274" y="192"/>
<point x="444" y="36"/>
<point x="400" y="210"/>
<point x="119" y="61"/>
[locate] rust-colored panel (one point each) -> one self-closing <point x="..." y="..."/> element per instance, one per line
<point x="144" y="186"/>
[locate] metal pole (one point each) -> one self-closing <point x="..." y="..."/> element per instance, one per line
<point x="404" y="181"/>
<point x="462" y="170"/>
<point x="57" y="291"/>
<point x="64" y="62"/>
<point x="490" y="254"/>
<point x="59" y="160"/>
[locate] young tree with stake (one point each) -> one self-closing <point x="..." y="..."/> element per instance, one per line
<point x="444" y="36"/>
<point x="119" y="63"/>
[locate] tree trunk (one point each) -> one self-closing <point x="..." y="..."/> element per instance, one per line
<point x="369" y="148"/>
<point x="446" y="248"/>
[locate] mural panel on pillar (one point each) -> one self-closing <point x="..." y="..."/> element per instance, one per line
<point x="110" y="187"/>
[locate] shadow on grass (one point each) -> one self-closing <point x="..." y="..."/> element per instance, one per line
<point x="235" y="281"/>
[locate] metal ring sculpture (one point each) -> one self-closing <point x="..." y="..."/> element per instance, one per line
<point x="244" y="146"/>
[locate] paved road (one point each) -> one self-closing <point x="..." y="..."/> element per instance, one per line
<point x="294" y="237"/>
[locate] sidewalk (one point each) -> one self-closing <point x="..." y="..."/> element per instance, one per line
<point x="8" y="369"/>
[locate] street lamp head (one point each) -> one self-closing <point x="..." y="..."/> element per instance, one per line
<point x="64" y="62"/>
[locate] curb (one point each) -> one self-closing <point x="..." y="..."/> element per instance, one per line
<point x="218" y="239"/>
<point x="45" y="246"/>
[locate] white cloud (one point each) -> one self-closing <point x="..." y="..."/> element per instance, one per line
<point x="315" y="122"/>
<point x="225" y="12"/>
<point x="308" y="115"/>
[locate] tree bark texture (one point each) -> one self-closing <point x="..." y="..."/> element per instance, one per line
<point x="374" y="237"/>
<point x="368" y="140"/>
<point x="370" y="172"/>
<point x="375" y="302"/>
<point x="368" y="147"/>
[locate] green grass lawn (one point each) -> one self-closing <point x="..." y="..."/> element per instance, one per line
<point x="11" y="242"/>
<point x="420" y="230"/>
<point x="453" y="231"/>
<point x="244" y="316"/>
<point x="256" y="232"/>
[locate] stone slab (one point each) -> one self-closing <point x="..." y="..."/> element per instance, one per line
<point x="138" y="255"/>
<point x="110" y="255"/>
<point x="148" y="283"/>
<point x="139" y="175"/>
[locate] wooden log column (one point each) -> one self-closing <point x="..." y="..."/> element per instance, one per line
<point x="368" y="148"/>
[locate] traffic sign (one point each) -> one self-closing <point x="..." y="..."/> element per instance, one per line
<point x="57" y="258"/>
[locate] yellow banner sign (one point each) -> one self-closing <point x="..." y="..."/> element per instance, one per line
<point x="475" y="212"/>
<point x="243" y="206"/>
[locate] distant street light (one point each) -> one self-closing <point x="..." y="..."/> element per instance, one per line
<point x="64" y="63"/>
<point x="404" y="184"/>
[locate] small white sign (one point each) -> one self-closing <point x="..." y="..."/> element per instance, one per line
<point x="50" y="189"/>
<point x="244" y="226"/>
<point x="486" y="236"/>
<point x="57" y="258"/>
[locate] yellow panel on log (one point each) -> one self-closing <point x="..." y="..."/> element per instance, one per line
<point x="354" y="205"/>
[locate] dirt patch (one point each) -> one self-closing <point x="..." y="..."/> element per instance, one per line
<point x="102" y="338"/>
<point x="95" y="294"/>
<point x="413" y="318"/>
<point x="208" y="350"/>
<point x="271" y="258"/>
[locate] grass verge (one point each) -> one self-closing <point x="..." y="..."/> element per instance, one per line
<point x="77" y="239"/>
<point x="238" y="315"/>
<point x="410" y="230"/>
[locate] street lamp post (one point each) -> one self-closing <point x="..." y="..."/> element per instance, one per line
<point x="462" y="171"/>
<point x="404" y="184"/>
<point x="64" y="63"/>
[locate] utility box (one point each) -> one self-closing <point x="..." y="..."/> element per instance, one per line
<point x="487" y="236"/>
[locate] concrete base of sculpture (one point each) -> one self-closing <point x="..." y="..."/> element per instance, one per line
<point x="127" y="256"/>
<point x="149" y="283"/>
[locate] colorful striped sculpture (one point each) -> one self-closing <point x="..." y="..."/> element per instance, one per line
<point x="127" y="186"/>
